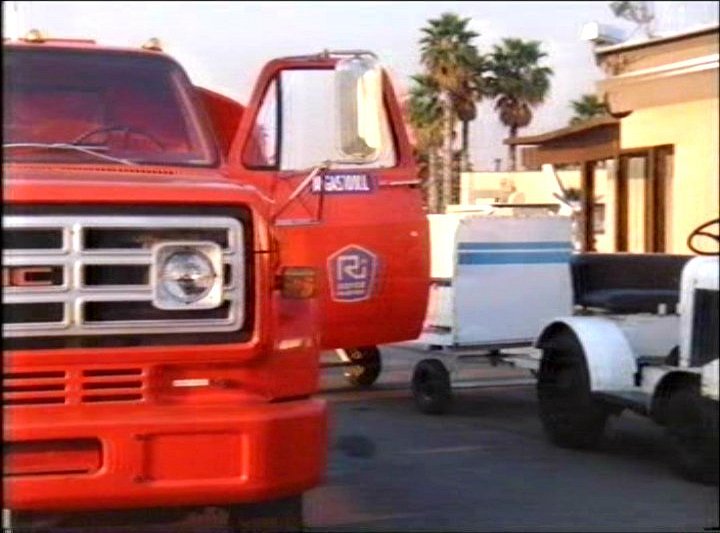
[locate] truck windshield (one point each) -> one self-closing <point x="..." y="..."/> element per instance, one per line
<point x="86" y="107"/>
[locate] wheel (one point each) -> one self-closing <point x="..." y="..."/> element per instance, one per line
<point x="431" y="387"/>
<point x="692" y="426"/>
<point x="570" y="415"/>
<point x="126" y="131"/>
<point x="367" y="368"/>
<point x="279" y="515"/>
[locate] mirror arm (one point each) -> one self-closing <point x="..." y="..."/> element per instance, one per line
<point x="301" y="186"/>
<point x="327" y="54"/>
<point x="321" y="201"/>
<point x="358" y="53"/>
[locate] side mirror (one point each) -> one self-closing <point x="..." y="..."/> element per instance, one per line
<point x="359" y="108"/>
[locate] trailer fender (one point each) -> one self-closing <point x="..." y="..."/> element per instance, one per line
<point x="609" y="357"/>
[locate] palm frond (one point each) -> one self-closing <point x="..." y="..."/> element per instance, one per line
<point x="517" y="81"/>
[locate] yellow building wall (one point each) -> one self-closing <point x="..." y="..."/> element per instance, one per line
<point x="692" y="128"/>
<point x="537" y="187"/>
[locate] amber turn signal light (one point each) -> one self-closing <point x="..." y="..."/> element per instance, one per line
<point x="298" y="283"/>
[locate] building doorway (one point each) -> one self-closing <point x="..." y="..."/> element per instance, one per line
<point x="643" y="193"/>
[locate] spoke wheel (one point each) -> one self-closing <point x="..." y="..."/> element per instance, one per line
<point x="366" y="368"/>
<point x="694" y="239"/>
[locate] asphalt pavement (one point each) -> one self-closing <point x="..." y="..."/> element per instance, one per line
<point x="486" y="465"/>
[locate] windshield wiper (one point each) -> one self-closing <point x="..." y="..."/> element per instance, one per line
<point x="91" y="150"/>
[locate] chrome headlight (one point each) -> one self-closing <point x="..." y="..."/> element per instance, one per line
<point x="187" y="275"/>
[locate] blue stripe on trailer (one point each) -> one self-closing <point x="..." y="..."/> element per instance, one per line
<point x="512" y="258"/>
<point x="544" y="245"/>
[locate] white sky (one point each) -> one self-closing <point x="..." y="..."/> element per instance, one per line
<point x="223" y="45"/>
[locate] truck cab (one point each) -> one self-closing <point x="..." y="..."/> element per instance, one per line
<point x="163" y="308"/>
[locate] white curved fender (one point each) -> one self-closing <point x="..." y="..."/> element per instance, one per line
<point x="610" y="359"/>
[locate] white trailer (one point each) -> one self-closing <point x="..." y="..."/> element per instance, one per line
<point x="615" y="331"/>
<point x="498" y="276"/>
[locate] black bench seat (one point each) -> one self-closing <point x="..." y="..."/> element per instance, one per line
<point x="625" y="283"/>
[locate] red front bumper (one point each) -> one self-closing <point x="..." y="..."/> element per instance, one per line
<point x="179" y="455"/>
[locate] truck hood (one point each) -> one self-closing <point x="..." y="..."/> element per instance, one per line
<point x="97" y="184"/>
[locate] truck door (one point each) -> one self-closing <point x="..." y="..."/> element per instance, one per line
<point x="360" y="223"/>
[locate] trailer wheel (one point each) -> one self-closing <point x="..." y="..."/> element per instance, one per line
<point x="431" y="387"/>
<point x="367" y="366"/>
<point x="570" y="415"/>
<point x="277" y="515"/>
<point x="693" y="430"/>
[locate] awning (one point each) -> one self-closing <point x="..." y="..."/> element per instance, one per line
<point x="593" y="140"/>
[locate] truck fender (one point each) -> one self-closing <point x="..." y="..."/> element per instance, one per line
<point x="609" y="357"/>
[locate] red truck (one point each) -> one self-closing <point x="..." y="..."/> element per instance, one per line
<point x="173" y="264"/>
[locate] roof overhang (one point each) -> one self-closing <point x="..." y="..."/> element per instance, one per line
<point x="594" y="140"/>
<point x="563" y="133"/>
<point x="690" y="79"/>
<point x="660" y="71"/>
<point x="602" y="51"/>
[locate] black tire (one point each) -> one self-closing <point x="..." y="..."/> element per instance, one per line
<point x="692" y="427"/>
<point x="431" y="387"/>
<point x="571" y="416"/>
<point x="279" y="515"/>
<point x="368" y="367"/>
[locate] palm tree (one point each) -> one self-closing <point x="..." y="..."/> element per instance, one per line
<point x="466" y="111"/>
<point x="472" y="90"/>
<point x="450" y="59"/>
<point x="424" y="114"/>
<point x="586" y="108"/>
<point x="518" y="83"/>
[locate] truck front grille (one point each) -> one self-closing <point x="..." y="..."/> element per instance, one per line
<point x="705" y="344"/>
<point x="70" y="278"/>
<point x="81" y="386"/>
